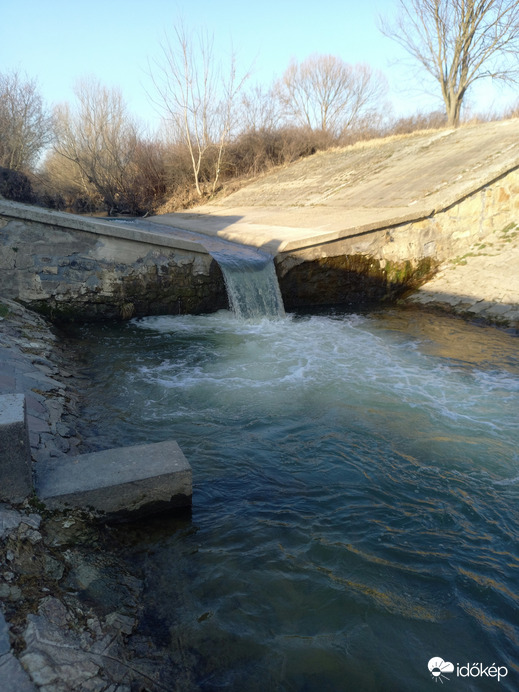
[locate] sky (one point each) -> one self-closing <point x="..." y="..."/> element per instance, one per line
<point x="57" y="42"/>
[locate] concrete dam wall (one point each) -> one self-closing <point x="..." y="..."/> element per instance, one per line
<point x="353" y="226"/>
<point x="74" y="268"/>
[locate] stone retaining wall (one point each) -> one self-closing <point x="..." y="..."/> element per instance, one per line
<point x="382" y="264"/>
<point x="68" y="268"/>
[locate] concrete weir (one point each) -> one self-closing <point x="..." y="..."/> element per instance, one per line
<point x="349" y="226"/>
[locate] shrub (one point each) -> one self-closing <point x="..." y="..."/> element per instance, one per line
<point x="16" y="186"/>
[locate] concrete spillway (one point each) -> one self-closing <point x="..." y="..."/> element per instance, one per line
<point x="249" y="273"/>
<point x="366" y="223"/>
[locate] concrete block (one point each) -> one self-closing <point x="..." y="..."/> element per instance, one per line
<point x="15" y="451"/>
<point x="121" y="482"/>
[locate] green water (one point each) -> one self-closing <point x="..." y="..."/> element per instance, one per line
<point x="356" y="495"/>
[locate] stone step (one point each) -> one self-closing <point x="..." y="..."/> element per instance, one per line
<point x="120" y="483"/>
<point x="15" y="452"/>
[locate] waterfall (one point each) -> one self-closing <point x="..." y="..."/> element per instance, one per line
<point x="251" y="282"/>
<point x="249" y="274"/>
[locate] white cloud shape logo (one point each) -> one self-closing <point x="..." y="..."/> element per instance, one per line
<point x="437" y="667"/>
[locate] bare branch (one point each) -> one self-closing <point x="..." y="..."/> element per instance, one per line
<point x="459" y="42"/>
<point x="325" y="93"/>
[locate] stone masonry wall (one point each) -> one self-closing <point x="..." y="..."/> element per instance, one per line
<point x="383" y="264"/>
<point x="71" y="273"/>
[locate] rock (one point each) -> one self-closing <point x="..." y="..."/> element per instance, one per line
<point x="13" y="676"/>
<point x="53" y="569"/>
<point x="123" y="623"/>
<point x="29" y="534"/>
<point x="33" y="520"/>
<point x="9" y="592"/>
<point x="10" y="519"/>
<point x="102" y="583"/>
<point x="5" y="642"/>
<point x="54" y="610"/>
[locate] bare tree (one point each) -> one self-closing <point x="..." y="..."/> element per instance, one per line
<point x="326" y="93"/>
<point x="459" y="42"/>
<point x="260" y="110"/>
<point x="25" y="125"/>
<point x="197" y="95"/>
<point x="98" y="139"/>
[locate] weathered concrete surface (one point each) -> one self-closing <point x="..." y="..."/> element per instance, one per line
<point x="379" y="218"/>
<point x="72" y="267"/>
<point x="368" y="186"/>
<point x="15" y="453"/>
<point x="119" y="482"/>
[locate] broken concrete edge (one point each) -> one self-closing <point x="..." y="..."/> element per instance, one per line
<point x="116" y="484"/>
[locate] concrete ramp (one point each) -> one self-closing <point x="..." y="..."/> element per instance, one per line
<point x="370" y="185"/>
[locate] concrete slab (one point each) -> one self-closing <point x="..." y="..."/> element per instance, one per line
<point x="345" y="192"/>
<point x="121" y="483"/>
<point x="15" y="452"/>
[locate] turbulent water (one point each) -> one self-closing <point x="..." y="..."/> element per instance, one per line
<point x="356" y="496"/>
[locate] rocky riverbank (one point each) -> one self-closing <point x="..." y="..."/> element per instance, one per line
<point x="69" y="603"/>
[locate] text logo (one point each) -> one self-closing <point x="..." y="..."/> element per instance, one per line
<point x="438" y="669"/>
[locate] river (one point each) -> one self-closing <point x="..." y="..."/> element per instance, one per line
<point x="356" y="495"/>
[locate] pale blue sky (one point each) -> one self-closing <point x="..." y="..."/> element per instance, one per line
<point x="59" y="41"/>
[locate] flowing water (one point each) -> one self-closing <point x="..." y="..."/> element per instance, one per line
<point x="252" y="286"/>
<point x="249" y="273"/>
<point x="356" y="496"/>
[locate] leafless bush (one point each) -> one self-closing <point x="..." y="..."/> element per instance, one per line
<point x="418" y="121"/>
<point x="16" y="186"/>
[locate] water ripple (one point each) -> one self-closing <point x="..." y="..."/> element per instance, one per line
<point x="356" y="498"/>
